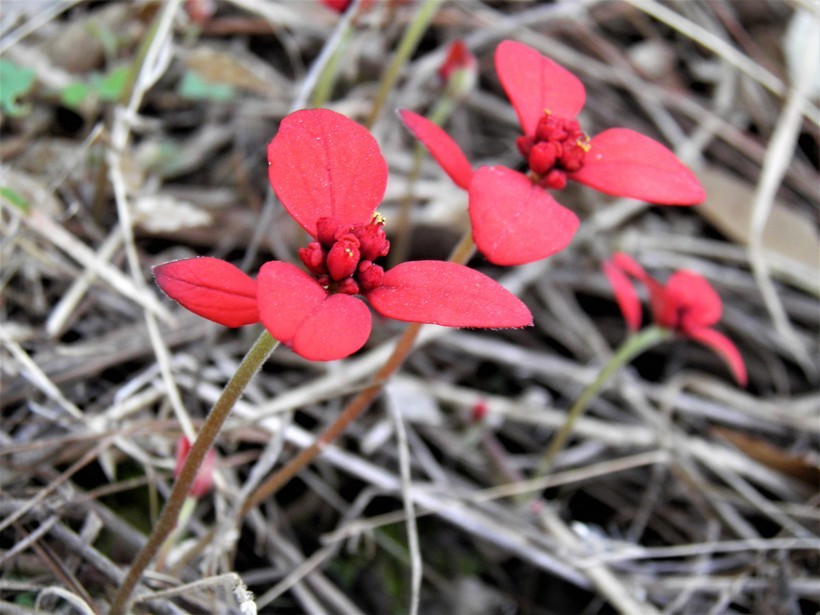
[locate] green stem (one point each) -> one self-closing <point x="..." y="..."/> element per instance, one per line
<point x="412" y="35"/>
<point x="327" y="78"/>
<point x="631" y="348"/>
<point x="461" y="254"/>
<point x="250" y="365"/>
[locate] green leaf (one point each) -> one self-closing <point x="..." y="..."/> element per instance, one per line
<point x="110" y="87"/>
<point x="15" y="199"/>
<point x="194" y="87"/>
<point x="14" y="82"/>
<point x="72" y="96"/>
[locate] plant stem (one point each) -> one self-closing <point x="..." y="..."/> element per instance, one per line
<point x="250" y="365"/>
<point x="631" y="348"/>
<point x="412" y="35"/>
<point x="461" y="254"/>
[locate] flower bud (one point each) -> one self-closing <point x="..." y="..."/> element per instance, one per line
<point x="313" y="256"/>
<point x="205" y="475"/>
<point x="343" y="257"/>
<point x="370" y="275"/>
<point x="326" y="231"/>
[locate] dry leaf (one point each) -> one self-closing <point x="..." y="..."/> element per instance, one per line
<point x="729" y="208"/>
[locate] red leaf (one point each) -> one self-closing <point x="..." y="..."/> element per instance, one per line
<point x="535" y="84"/>
<point x="625" y="294"/>
<point x="515" y="221"/>
<point x="724" y="347"/>
<point x="211" y="288"/>
<point x="335" y="329"/>
<point x="323" y="164"/>
<point x="298" y="312"/>
<point x="625" y="163"/>
<point x="445" y="151"/>
<point x="447" y="294"/>
<point x="629" y="265"/>
<point x="694" y="300"/>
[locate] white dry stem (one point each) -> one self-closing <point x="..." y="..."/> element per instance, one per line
<point x="614" y="588"/>
<point x="712" y="42"/>
<point x="156" y="60"/>
<point x="409" y="510"/>
<point x="32" y="372"/>
<point x="230" y="581"/>
<point x="71" y="298"/>
<point x="76" y="601"/>
<point x="778" y="157"/>
<point x="42" y="224"/>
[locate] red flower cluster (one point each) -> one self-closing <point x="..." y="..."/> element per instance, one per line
<point x="687" y="304"/>
<point x="514" y="220"/>
<point x="330" y="176"/>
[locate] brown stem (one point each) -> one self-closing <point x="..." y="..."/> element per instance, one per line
<point x="461" y="254"/>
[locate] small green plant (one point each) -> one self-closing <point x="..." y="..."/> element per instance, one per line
<point x="15" y="82"/>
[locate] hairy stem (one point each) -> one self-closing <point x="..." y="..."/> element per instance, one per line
<point x="250" y="365"/>
<point x="631" y="348"/>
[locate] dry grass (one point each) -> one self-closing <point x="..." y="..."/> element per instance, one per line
<point x="680" y="493"/>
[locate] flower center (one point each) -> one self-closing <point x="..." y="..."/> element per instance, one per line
<point x="342" y="256"/>
<point x="558" y="147"/>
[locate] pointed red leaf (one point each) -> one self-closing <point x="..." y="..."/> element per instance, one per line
<point x="447" y="294"/>
<point x="629" y="266"/>
<point x="445" y="151"/>
<point x="625" y="163"/>
<point x="535" y="84"/>
<point x="625" y="294"/>
<point x="211" y="288"/>
<point x="515" y="221"/>
<point x="323" y="164"/>
<point x="724" y="347"/>
<point x="298" y="312"/>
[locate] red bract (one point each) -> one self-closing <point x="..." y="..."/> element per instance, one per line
<point x="330" y="176"/>
<point x="686" y="304"/>
<point x="205" y="475"/>
<point x="547" y="99"/>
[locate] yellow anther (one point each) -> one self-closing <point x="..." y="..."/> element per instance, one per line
<point x="377" y="218"/>
<point x="348" y="251"/>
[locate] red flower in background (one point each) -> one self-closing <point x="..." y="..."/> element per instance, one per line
<point x="687" y="304"/>
<point x="205" y="475"/>
<point x="330" y="175"/>
<point x="513" y="221"/>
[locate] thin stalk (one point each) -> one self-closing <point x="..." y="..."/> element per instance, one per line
<point x="412" y="35"/>
<point x="461" y="254"/>
<point x="631" y="348"/>
<point x="250" y="365"/>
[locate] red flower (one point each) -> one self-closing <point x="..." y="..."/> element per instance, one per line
<point x="686" y="304"/>
<point x="205" y="475"/>
<point x="330" y="175"/>
<point x="506" y="206"/>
